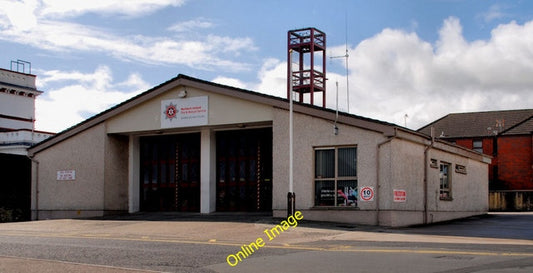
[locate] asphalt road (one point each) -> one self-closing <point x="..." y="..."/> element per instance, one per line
<point x="174" y="243"/>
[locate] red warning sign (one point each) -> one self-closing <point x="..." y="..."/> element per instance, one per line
<point x="366" y="193"/>
<point x="400" y="195"/>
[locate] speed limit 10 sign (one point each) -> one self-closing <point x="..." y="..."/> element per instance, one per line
<point x="366" y="193"/>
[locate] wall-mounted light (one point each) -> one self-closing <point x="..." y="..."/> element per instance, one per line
<point x="182" y="93"/>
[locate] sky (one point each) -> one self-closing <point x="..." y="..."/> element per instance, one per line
<point x="410" y="61"/>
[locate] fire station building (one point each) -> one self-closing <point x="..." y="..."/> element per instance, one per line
<point x="194" y="146"/>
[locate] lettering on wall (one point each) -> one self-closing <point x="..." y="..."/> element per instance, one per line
<point x="66" y="175"/>
<point x="184" y="112"/>
<point x="400" y="196"/>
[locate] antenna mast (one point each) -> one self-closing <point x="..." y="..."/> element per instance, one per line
<point x="345" y="56"/>
<point x="347" y="78"/>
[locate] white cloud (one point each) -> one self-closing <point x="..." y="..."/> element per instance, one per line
<point x="272" y="80"/>
<point x="495" y="12"/>
<point x="199" y="23"/>
<point x="80" y="94"/>
<point x="72" y="8"/>
<point x="228" y="44"/>
<point x="409" y="75"/>
<point x="136" y="82"/>
<point x="230" y="82"/>
<point x="208" y="53"/>
<point x="24" y="15"/>
<point x="395" y="73"/>
<point x="19" y="14"/>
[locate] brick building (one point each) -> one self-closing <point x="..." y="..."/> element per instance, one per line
<point x="507" y="136"/>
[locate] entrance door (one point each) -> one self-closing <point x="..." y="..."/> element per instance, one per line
<point x="244" y="170"/>
<point x="170" y="173"/>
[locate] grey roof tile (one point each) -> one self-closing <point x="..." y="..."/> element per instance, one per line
<point x="480" y="124"/>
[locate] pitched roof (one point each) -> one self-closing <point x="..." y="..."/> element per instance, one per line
<point x="480" y="124"/>
<point x="523" y="128"/>
<point x="183" y="80"/>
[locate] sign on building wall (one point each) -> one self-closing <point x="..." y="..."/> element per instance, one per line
<point x="184" y="112"/>
<point x="400" y="195"/>
<point x="366" y="193"/>
<point x="66" y="175"/>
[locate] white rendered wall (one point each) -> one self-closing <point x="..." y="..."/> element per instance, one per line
<point x="133" y="175"/>
<point x="83" y="196"/>
<point x="16" y="78"/>
<point x="208" y="185"/>
<point x="18" y="107"/>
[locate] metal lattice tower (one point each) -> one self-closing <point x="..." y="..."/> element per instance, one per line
<point x="309" y="77"/>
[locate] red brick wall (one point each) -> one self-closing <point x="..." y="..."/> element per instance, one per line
<point x="515" y="162"/>
<point x="488" y="149"/>
<point x="464" y="142"/>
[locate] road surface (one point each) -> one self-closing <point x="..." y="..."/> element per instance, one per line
<point x="494" y="243"/>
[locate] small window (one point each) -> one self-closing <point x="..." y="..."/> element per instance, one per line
<point x="434" y="163"/>
<point x="336" y="177"/>
<point x="460" y="169"/>
<point x="445" y="182"/>
<point x="477" y="145"/>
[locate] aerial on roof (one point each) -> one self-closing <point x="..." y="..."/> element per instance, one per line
<point x="478" y="124"/>
<point x="523" y="128"/>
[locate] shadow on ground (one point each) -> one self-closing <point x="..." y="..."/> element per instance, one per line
<point x="492" y="225"/>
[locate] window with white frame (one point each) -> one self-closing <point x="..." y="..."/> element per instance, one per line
<point x="445" y="181"/>
<point x="336" y="176"/>
<point x="477" y="145"/>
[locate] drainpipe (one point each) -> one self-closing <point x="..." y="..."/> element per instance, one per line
<point x="377" y="175"/>
<point x="426" y="150"/>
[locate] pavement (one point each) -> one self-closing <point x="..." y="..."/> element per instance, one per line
<point x="25" y="265"/>
<point x="237" y="229"/>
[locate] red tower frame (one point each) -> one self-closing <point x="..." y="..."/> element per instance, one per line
<point x="307" y="43"/>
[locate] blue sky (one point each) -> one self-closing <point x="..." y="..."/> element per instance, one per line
<point x="420" y="58"/>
